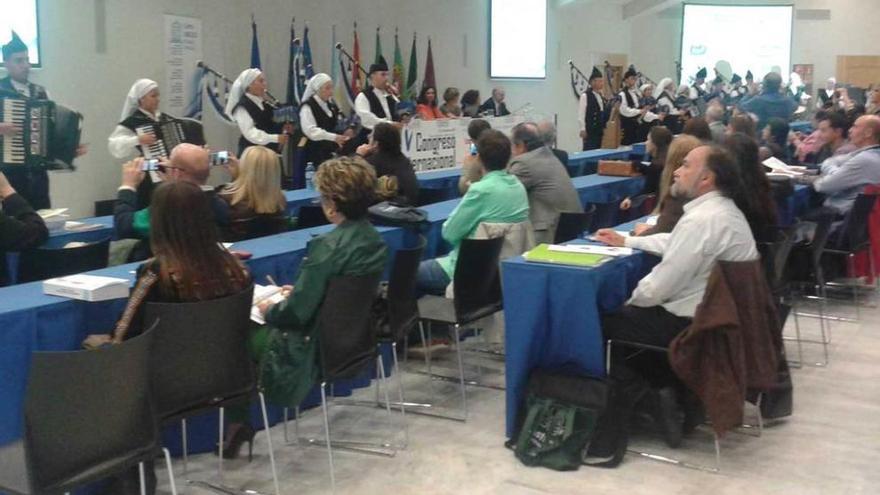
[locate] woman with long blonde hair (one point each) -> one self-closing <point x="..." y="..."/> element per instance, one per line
<point x="669" y="207"/>
<point x="255" y="194"/>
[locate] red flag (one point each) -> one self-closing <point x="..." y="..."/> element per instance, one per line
<point x="355" y="72"/>
<point x="429" y="80"/>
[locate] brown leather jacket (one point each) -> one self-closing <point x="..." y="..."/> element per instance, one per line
<point x="733" y="344"/>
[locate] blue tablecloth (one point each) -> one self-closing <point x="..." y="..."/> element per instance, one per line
<point x="795" y="205"/>
<point x="552" y="312"/>
<point x="585" y="162"/>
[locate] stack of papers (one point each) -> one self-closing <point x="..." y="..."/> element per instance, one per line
<point x="778" y="167"/>
<point x="271" y="293"/>
<point x="54" y="219"/>
<point x="81" y="226"/>
<point x="87" y="287"/>
<point x="545" y="253"/>
<point x="588" y="249"/>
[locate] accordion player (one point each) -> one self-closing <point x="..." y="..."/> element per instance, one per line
<point x="49" y="136"/>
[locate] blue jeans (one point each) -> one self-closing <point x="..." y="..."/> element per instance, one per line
<point x="431" y="279"/>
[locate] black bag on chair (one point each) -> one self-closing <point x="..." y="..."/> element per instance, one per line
<point x="558" y="419"/>
<point x="392" y="214"/>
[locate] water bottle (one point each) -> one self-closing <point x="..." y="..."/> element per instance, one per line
<point x="310" y="176"/>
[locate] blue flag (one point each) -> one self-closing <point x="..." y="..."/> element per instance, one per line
<point x="307" y="56"/>
<point x="255" y="46"/>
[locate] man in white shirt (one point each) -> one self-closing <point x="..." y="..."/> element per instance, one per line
<point x="665" y="301"/>
<point x="377" y="102"/>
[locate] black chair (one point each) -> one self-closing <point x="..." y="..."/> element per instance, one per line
<point x="854" y="238"/>
<point x="428" y="196"/>
<point x="200" y="362"/>
<point x="88" y="416"/>
<point x="347" y="347"/>
<point x="104" y="207"/>
<point x="254" y="227"/>
<point x="310" y="216"/>
<point x="573" y="225"/>
<point x="43" y="263"/>
<point x="477" y="285"/>
<point x="605" y="215"/>
<point x="775" y="256"/>
<point x="813" y="252"/>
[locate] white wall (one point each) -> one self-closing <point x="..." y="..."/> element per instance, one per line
<point x="852" y="30"/>
<point x="96" y="84"/>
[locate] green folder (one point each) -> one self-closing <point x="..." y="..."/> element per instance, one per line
<point x="543" y="254"/>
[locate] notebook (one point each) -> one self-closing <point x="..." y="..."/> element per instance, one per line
<point x="544" y="254"/>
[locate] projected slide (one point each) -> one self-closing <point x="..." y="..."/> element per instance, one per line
<point x="20" y="15"/>
<point x="746" y="37"/>
<point x="518" y="40"/>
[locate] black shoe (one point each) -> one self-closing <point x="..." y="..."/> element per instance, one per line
<point x="670" y="417"/>
<point x="232" y="445"/>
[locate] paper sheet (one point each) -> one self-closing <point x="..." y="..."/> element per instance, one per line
<point x="587" y="249"/>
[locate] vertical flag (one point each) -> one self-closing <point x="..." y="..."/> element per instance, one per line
<point x="291" y="70"/>
<point x="307" y="55"/>
<point x="255" y="45"/>
<point x="397" y="70"/>
<point x="429" y="69"/>
<point x="340" y="86"/>
<point x="299" y="72"/>
<point x="411" y="90"/>
<point x="356" y="82"/>
<point x="378" y="47"/>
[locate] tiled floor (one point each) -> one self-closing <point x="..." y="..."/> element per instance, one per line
<point x="831" y="445"/>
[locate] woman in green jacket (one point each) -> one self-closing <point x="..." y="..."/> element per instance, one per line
<point x="286" y="348"/>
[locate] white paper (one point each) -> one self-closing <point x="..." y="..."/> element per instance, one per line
<point x="652" y="220"/>
<point x="779" y="167"/>
<point x="271" y="293"/>
<point x="588" y="249"/>
<point x="87" y="287"/>
<point x="81" y="226"/>
<point x="226" y="245"/>
<point x="47" y="213"/>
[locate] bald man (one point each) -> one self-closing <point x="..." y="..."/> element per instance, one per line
<point x="842" y="181"/>
<point x="187" y="162"/>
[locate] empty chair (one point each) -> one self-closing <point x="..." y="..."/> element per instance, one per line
<point x="573" y="225"/>
<point x="477" y="295"/>
<point x="428" y="196"/>
<point x="254" y="227"/>
<point x="201" y="362"/>
<point x="88" y="416"/>
<point x="854" y="238"/>
<point x="605" y="215"/>
<point x="43" y="263"/>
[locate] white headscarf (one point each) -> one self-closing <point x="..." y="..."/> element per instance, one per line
<point x="661" y="88"/>
<point x="138" y="90"/>
<point x="315" y="84"/>
<point x="642" y="89"/>
<point x="239" y="88"/>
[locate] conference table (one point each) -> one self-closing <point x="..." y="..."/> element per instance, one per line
<point x="32" y="321"/>
<point x="552" y="316"/>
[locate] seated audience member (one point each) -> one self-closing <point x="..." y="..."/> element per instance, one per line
<point x="771" y="102"/>
<point x="427" y="108"/>
<point x="743" y="123"/>
<point x="470" y="103"/>
<point x="384" y="154"/>
<point x="657" y="147"/>
<point x="756" y="200"/>
<point x="547" y="132"/>
<point x="498" y="197"/>
<point x="715" y="119"/>
<point x="547" y="183"/>
<point x="451" y="108"/>
<point x="775" y="140"/>
<point x="188" y="265"/>
<point x="665" y="301"/>
<point x="471" y="170"/>
<point x="873" y="106"/>
<point x="353" y="248"/>
<point x="843" y="177"/>
<point x="20" y="226"/>
<point x="834" y="128"/>
<point x="255" y="195"/>
<point x="806" y="148"/>
<point x="670" y="207"/>
<point x="187" y="163"/>
<point x="698" y="128"/>
<point x="495" y="106"/>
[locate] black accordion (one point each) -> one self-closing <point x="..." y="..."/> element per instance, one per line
<point x="169" y="133"/>
<point x="49" y="136"/>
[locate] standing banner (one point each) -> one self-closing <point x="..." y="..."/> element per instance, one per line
<point x="442" y="144"/>
<point x="183" y="50"/>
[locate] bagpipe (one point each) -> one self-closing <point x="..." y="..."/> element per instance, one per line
<point x="281" y="113"/>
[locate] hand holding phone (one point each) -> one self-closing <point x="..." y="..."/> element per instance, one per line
<point x="219" y="158"/>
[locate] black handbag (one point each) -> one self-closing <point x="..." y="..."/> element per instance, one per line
<point x="394" y="214"/>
